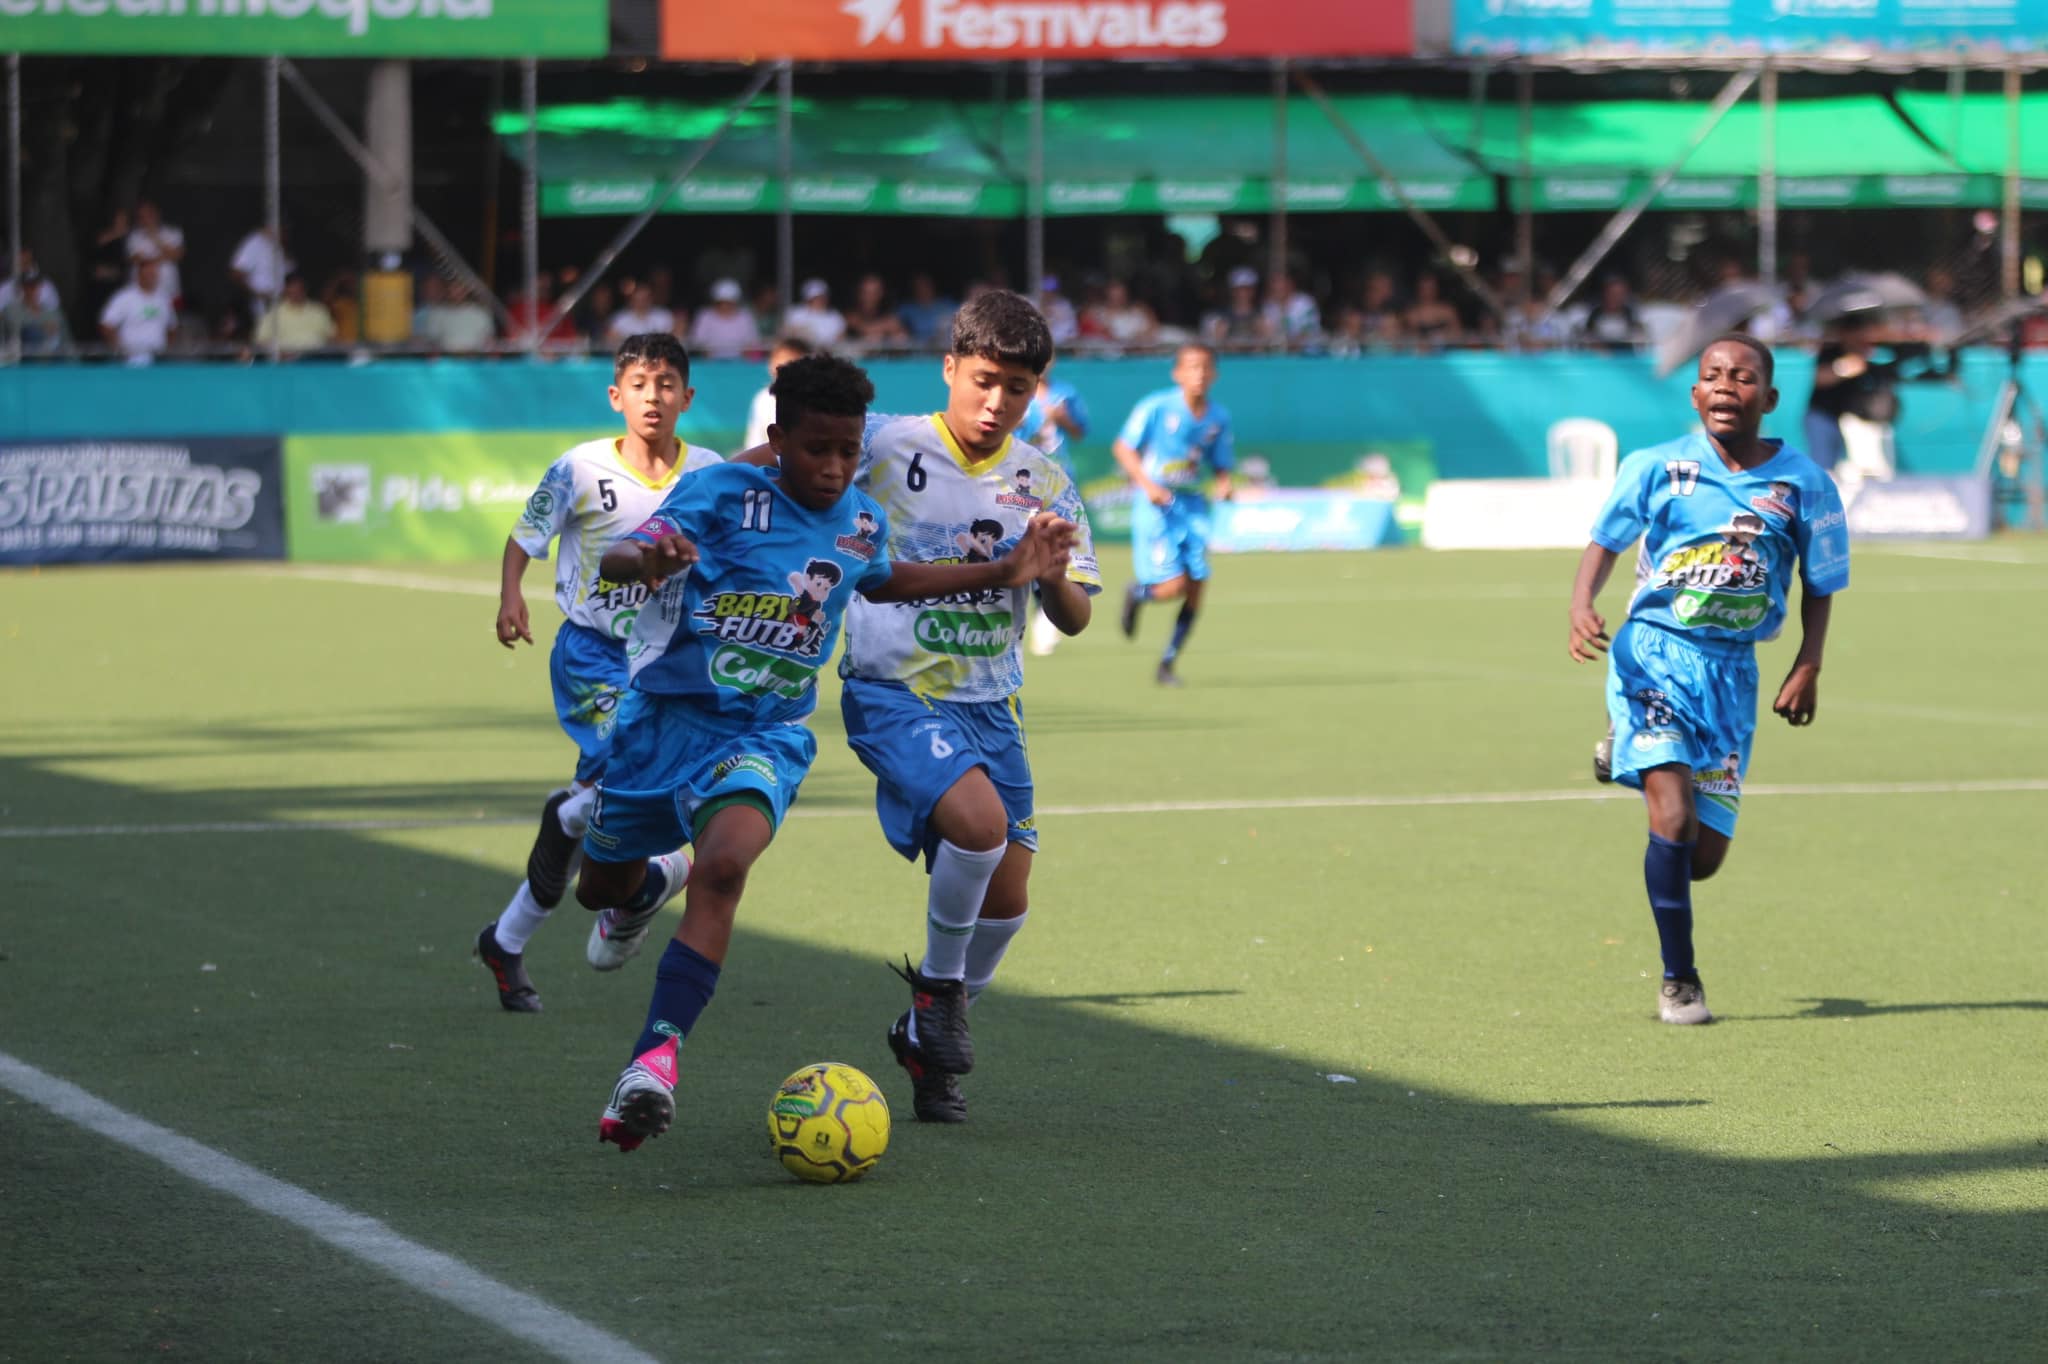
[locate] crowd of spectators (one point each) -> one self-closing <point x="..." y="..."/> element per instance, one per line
<point x="138" y="311"/>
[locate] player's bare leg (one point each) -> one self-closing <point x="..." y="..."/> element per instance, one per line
<point x="1670" y="867"/>
<point x="627" y="896"/>
<point x="1191" y="593"/>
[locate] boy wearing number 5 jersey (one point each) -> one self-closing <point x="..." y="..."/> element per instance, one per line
<point x="589" y="499"/>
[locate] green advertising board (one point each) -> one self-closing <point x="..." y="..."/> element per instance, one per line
<point x="308" y="28"/>
<point x="442" y="495"/>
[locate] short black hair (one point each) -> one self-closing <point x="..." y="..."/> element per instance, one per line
<point x="1001" y="326"/>
<point x="824" y="568"/>
<point x="986" y="527"/>
<point x="820" y="383"/>
<point x="653" y="349"/>
<point x="1763" y="351"/>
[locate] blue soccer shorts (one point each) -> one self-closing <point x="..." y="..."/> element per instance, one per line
<point x="588" y="670"/>
<point x="1169" y="541"/>
<point x="1672" y="700"/>
<point x="670" y="759"/>
<point x="918" y="748"/>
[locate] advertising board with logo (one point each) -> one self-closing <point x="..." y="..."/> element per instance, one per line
<point x="1919" y="508"/>
<point x="308" y="28"/>
<point x="441" y="496"/>
<point x="1301" y="519"/>
<point x="1003" y="30"/>
<point x="1502" y="27"/>
<point x="69" y="502"/>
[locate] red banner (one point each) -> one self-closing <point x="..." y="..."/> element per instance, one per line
<point x="1005" y="30"/>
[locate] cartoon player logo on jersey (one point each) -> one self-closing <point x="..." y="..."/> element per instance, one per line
<point x="1022" y="495"/>
<point x="1782" y="500"/>
<point x="860" y="544"/>
<point x="1720" y="582"/>
<point x="792" y="624"/>
<point x="978" y="542"/>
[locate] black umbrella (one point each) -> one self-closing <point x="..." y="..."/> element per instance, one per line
<point x="1865" y="293"/>
<point x="1724" y="310"/>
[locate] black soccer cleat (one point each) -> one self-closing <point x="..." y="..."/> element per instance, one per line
<point x="1127" y="617"/>
<point x="553" y="855"/>
<point x="941" y="1008"/>
<point x="515" y="988"/>
<point x="1167" y="677"/>
<point x="934" y="1095"/>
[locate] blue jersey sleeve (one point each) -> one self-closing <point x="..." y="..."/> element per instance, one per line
<point x="1824" y="541"/>
<point x="547" y="511"/>
<point x="1077" y="412"/>
<point x="1223" y="454"/>
<point x="1621" y="522"/>
<point x="880" y="567"/>
<point x="1137" y="432"/>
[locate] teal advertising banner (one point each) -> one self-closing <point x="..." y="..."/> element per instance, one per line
<point x="1503" y="27"/>
<point x="308" y="28"/>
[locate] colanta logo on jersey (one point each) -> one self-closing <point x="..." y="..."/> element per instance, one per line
<point x="1722" y="582"/>
<point x="1039" y="25"/>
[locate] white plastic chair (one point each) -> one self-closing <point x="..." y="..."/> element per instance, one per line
<point x="1583" y="447"/>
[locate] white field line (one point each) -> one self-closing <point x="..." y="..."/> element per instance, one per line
<point x="429" y="1271"/>
<point x="381" y="577"/>
<point x="1561" y="796"/>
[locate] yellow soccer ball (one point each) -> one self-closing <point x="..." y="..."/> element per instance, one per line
<point x="828" y="1123"/>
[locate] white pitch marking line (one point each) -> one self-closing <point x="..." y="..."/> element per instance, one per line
<point x="441" y="1276"/>
<point x="379" y="577"/>
<point x="1567" y="795"/>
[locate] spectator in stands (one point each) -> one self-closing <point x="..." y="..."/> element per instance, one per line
<point x="31" y="311"/>
<point x="1613" y="324"/>
<point x="1120" y="319"/>
<point x="1849" y="382"/>
<point x="724" y="329"/>
<point x="298" y="323"/>
<point x="258" y="268"/>
<point x="1531" y="326"/>
<point x="762" y="410"/>
<point x="640" y="317"/>
<point x="153" y="237"/>
<point x="1941" y="319"/>
<point x="108" y="264"/>
<point x="466" y="326"/>
<point x="1238" y="325"/>
<point x="1430" y="321"/>
<point x="814" y="318"/>
<point x="561" y="336"/>
<point x="661" y="288"/>
<point x="1290" y="316"/>
<point x="140" y="319"/>
<point x="871" y="323"/>
<point x="1381" y="320"/>
<point x="927" y="316"/>
<point x="344" y="305"/>
<point x="1058" y="310"/>
<point x="594" y="312"/>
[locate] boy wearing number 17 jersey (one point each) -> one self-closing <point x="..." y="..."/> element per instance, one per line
<point x="1726" y="519"/>
<point x="588" y="499"/>
<point x="931" y="685"/>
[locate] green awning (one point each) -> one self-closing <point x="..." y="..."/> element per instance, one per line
<point x="1974" y="130"/>
<point x="1852" y="152"/>
<point x="928" y="157"/>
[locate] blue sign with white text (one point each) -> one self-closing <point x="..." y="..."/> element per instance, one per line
<point x="1503" y="27"/>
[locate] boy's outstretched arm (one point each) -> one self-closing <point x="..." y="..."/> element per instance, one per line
<point x="1799" y="698"/>
<point x="1133" y="465"/>
<point x="1042" y="550"/>
<point x="1588" y="638"/>
<point x="648" y="561"/>
<point x="513" y="624"/>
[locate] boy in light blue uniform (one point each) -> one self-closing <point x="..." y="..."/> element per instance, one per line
<point x="710" y="745"/>
<point x="1171" y="444"/>
<point x="1725" y="519"/>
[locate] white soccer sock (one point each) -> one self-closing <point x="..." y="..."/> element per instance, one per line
<point x="573" y="814"/>
<point x="985" y="951"/>
<point x="959" y="882"/>
<point x="520" y="919"/>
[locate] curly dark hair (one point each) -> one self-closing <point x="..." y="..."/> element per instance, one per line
<point x="1763" y="352"/>
<point x="1003" y="327"/>
<point x="820" y="383"/>
<point x="655" y="349"/>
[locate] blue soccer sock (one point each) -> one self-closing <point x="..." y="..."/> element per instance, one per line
<point x="1667" y="872"/>
<point x="1182" y="623"/>
<point x="683" y="985"/>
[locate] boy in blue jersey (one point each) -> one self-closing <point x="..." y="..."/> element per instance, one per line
<point x="1056" y="415"/>
<point x="1724" y="518"/>
<point x="1173" y="440"/>
<point x="710" y="745"/>
<point x="588" y="498"/>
